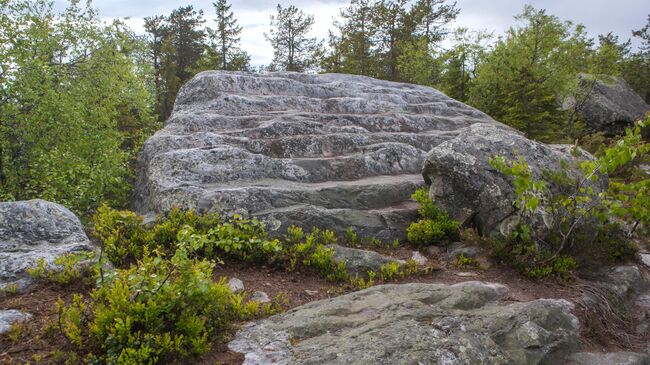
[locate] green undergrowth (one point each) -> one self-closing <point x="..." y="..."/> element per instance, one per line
<point x="352" y="239"/>
<point x="157" y="301"/>
<point x="160" y="309"/>
<point x="435" y="227"/>
<point x="589" y="220"/>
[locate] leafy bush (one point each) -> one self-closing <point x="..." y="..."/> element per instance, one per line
<point x="70" y="125"/>
<point x="125" y="238"/>
<point x="122" y="235"/>
<point x="580" y="217"/>
<point x="520" y="252"/>
<point x="434" y="227"/>
<point x="463" y="261"/>
<point x="157" y="311"/>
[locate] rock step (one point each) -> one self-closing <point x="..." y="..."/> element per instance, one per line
<point x="226" y="163"/>
<point x="296" y="123"/>
<point x="296" y="146"/>
<point x="369" y="193"/>
<point x="384" y="224"/>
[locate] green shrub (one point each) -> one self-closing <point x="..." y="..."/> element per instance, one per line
<point x="158" y="311"/>
<point x="463" y="261"/>
<point x="122" y="235"/>
<point x="394" y="270"/>
<point x="434" y="227"/>
<point x="125" y="239"/>
<point x="520" y="252"/>
<point x="584" y="222"/>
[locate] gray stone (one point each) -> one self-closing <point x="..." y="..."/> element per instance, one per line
<point x="414" y="324"/>
<point x="329" y="150"/>
<point x="612" y="358"/>
<point x="35" y="229"/>
<point x="609" y="105"/>
<point x="466" y="249"/>
<point x="11" y="316"/>
<point x="235" y="285"/>
<point x="359" y="262"/>
<point x="645" y="258"/>
<point x="419" y="258"/>
<point x="464" y="184"/>
<point x="261" y="297"/>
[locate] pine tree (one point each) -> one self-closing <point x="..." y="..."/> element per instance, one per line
<point x="637" y="68"/>
<point x="461" y="62"/>
<point x="389" y="23"/>
<point x="607" y="58"/>
<point x="187" y="38"/>
<point x="357" y="39"/>
<point x="225" y="40"/>
<point x="529" y="71"/>
<point x="177" y="47"/>
<point x="431" y="17"/>
<point x="293" y="49"/>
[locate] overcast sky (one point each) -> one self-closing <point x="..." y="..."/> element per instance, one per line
<point x="599" y="16"/>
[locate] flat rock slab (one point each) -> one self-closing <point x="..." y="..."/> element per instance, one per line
<point x="11" y="316"/>
<point x="35" y="229"/>
<point x="330" y="151"/>
<point x="414" y="324"/>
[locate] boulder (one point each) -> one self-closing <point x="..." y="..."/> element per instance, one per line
<point x="463" y="183"/>
<point x="329" y="150"/>
<point x="607" y="105"/>
<point x="35" y="229"/>
<point x="359" y="262"/>
<point x="414" y="324"/>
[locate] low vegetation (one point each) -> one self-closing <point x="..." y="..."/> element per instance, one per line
<point x="434" y="227"/>
<point x="583" y="226"/>
<point x="158" y="310"/>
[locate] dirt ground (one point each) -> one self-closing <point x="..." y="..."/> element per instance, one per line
<point x="39" y="342"/>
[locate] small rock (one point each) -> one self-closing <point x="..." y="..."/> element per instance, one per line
<point x="419" y="258"/>
<point x="313" y="293"/>
<point x="468" y="250"/>
<point x="645" y="258"/>
<point x="11" y="316"/>
<point x="261" y="297"/>
<point x="465" y="274"/>
<point x="236" y="285"/>
<point x="434" y="251"/>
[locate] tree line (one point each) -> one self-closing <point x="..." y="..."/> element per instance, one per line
<point x="78" y="95"/>
<point x="517" y="78"/>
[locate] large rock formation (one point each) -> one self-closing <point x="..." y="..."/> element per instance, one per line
<point x="607" y="105"/>
<point x="329" y="150"/>
<point x="414" y="324"/>
<point x="35" y="229"/>
<point x="472" y="192"/>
